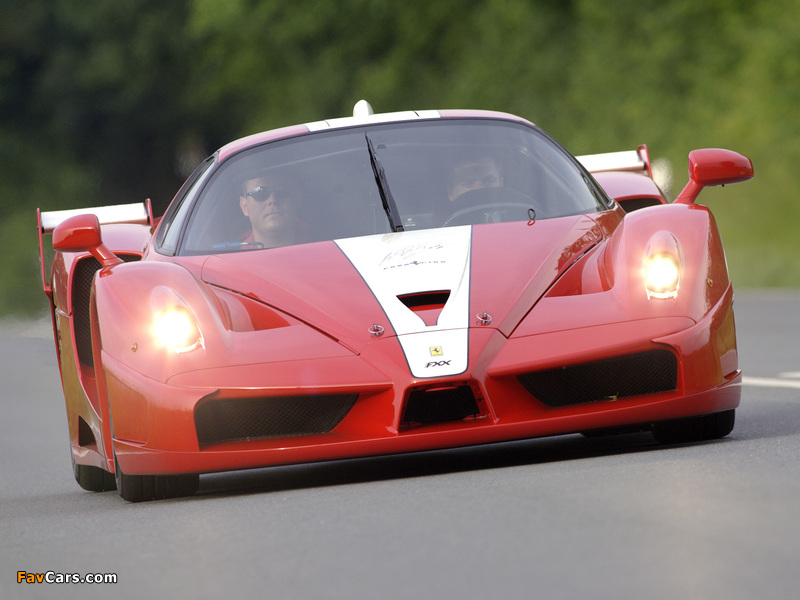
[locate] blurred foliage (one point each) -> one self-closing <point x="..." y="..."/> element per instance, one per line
<point x="107" y="102"/>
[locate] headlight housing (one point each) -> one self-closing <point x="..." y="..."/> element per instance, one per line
<point x="662" y="266"/>
<point x="174" y="326"/>
<point x="662" y="273"/>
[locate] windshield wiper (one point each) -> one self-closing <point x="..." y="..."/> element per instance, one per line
<point x="389" y="205"/>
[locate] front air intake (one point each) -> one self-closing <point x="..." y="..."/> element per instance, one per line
<point x="610" y="379"/>
<point x="439" y="405"/>
<point x="235" y="419"/>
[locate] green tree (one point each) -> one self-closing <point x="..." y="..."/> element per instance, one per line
<point x="109" y="102"/>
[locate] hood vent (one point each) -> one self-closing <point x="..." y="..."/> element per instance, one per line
<point x="426" y="305"/>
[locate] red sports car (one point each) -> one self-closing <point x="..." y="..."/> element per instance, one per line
<point x="388" y="283"/>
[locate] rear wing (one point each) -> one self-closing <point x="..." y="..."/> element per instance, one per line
<point x="635" y="161"/>
<point x="139" y="213"/>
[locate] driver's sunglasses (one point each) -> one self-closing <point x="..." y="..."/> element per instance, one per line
<point x="262" y="193"/>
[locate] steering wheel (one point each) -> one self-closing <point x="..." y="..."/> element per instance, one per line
<point x="518" y="205"/>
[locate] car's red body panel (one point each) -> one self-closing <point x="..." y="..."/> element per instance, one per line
<point x="306" y="325"/>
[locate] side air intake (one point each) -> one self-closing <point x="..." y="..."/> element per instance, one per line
<point x="82" y="279"/>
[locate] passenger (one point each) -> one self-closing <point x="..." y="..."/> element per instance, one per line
<point x="475" y="173"/>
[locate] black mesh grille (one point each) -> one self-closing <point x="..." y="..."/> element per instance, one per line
<point x="232" y="419"/>
<point x="621" y="377"/>
<point x="81" y="290"/>
<point x="440" y="405"/>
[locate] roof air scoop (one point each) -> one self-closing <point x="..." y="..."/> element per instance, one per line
<point x="362" y="109"/>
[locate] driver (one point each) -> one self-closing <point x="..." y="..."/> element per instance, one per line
<point x="271" y="204"/>
<point x="478" y="172"/>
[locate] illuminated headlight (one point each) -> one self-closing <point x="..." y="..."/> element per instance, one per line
<point x="662" y="273"/>
<point x="174" y="326"/>
<point x="176" y="329"/>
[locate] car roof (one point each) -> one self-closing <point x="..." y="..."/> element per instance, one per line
<point x="362" y="115"/>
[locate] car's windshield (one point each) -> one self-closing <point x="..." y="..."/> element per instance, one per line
<point x="382" y="178"/>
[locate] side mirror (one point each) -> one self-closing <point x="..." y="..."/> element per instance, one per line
<point x="714" y="166"/>
<point x="77" y="234"/>
<point x="81" y="233"/>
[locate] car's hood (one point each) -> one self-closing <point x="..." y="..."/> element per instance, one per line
<point x="345" y="288"/>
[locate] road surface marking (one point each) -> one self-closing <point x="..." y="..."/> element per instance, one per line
<point x="771" y="382"/>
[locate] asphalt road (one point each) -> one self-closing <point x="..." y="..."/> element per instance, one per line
<point x="563" y="517"/>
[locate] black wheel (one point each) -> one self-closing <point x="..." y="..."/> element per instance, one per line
<point x="93" y="479"/>
<point x="139" y="488"/>
<point x="695" y="429"/>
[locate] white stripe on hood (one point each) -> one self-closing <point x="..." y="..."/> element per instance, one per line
<point x="396" y="264"/>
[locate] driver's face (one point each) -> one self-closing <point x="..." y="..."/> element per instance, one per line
<point x="474" y="175"/>
<point x="269" y="203"/>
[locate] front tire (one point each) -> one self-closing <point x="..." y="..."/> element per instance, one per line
<point x="695" y="429"/>
<point x="140" y="488"/>
<point x="93" y="479"/>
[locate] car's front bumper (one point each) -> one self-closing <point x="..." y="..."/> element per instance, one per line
<point x="155" y="424"/>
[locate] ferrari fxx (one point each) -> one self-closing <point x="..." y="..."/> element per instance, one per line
<point x="388" y="283"/>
